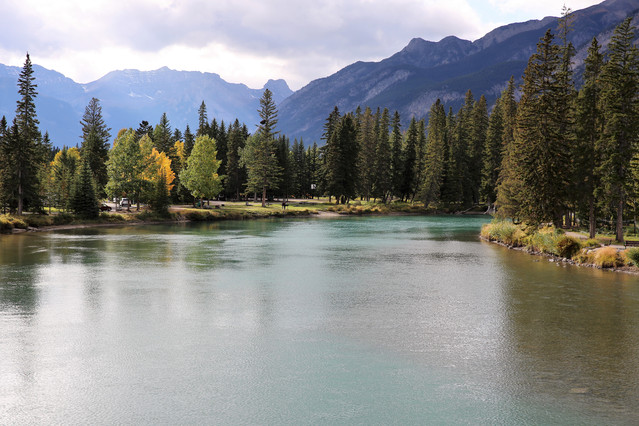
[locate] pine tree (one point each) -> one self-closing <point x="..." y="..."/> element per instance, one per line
<point x="162" y="135"/>
<point x="476" y="146"/>
<point x="409" y="183"/>
<point x="589" y="126"/>
<point x="341" y="160"/>
<point x="259" y="154"/>
<point x="435" y="155"/>
<point x="397" y="162"/>
<point x="95" y="143"/>
<point x="63" y="171"/>
<point x="144" y="128"/>
<point x="383" y="183"/>
<point x="617" y="143"/>
<point x="543" y="136"/>
<point x="236" y="174"/>
<point x="25" y="153"/>
<point x="203" y="121"/>
<point x="160" y="201"/>
<point x="452" y="192"/>
<point x="492" y="155"/>
<point x="366" y="149"/>
<point x="189" y="141"/>
<point x="509" y="182"/>
<point x="83" y="199"/>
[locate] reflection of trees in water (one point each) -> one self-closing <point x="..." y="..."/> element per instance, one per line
<point x="20" y="256"/>
<point x="575" y="331"/>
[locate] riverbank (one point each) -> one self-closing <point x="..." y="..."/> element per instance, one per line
<point x="215" y="211"/>
<point x="563" y="247"/>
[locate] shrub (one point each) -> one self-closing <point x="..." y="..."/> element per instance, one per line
<point x="198" y="216"/>
<point x="607" y="257"/>
<point x="19" y="223"/>
<point x="111" y="217"/>
<point x="584" y="256"/>
<point x="591" y="242"/>
<point x="544" y="240"/>
<point x="62" y="219"/>
<point x="6" y="224"/>
<point x="567" y="246"/>
<point x="37" y="221"/>
<point x="503" y="231"/>
<point x="633" y="255"/>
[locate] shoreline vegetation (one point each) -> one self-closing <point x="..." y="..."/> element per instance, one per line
<point x="570" y="247"/>
<point x="216" y="211"/>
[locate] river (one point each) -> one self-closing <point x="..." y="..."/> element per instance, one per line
<point x="378" y="320"/>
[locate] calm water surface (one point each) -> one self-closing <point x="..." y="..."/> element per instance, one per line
<point x="384" y="320"/>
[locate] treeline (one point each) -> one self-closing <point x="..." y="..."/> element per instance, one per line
<point x="547" y="152"/>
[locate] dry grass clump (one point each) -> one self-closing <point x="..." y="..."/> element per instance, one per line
<point x="503" y="231"/>
<point x="607" y="257"/>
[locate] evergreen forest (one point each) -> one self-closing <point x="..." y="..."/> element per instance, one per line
<point x="550" y="150"/>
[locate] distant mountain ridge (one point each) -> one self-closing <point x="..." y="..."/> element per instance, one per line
<point x="130" y="96"/>
<point x="411" y="80"/>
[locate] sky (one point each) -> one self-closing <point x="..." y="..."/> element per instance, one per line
<point x="244" y="41"/>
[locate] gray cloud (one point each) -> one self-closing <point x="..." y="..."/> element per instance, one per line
<point x="311" y="37"/>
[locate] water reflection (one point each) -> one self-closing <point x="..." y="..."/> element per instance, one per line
<point x="575" y="332"/>
<point x="346" y="321"/>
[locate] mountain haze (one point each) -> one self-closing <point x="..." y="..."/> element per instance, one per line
<point x="411" y="80"/>
<point x="130" y="96"/>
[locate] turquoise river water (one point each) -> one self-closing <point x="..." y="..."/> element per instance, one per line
<point x="380" y="320"/>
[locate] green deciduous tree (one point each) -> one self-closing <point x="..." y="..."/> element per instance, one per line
<point x="125" y="166"/>
<point x="200" y="175"/>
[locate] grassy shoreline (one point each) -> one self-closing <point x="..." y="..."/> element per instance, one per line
<point x="559" y="246"/>
<point x="217" y="211"/>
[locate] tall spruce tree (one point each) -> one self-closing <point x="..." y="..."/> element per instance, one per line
<point x="235" y="173"/>
<point x="203" y="121"/>
<point x="620" y="107"/>
<point x="397" y="162"/>
<point x="341" y="161"/>
<point x="383" y="183"/>
<point x="95" y="143"/>
<point x="163" y="136"/>
<point x="84" y="199"/>
<point x="409" y="182"/>
<point x="366" y="150"/>
<point x="476" y="147"/>
<point x="492" y="155"/>
<point x="435" y="155"/>
<point x="589" y="121"/>
<point x="259" y="154"/>
<point x="509" y="182"/>
<point x="26" y="154"/>
<point x="543" y="135"/>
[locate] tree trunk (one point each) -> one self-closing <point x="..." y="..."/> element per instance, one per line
<point x="264" y="196"/>
<point x="620" y="220"/>
<point x="592" y="221"/>
<point x="20" y="196"/>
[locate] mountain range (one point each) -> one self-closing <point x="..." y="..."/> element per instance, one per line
<point x="408" y="81"/>
<point x="411" y="80"/>
<point x="128" y="97"/>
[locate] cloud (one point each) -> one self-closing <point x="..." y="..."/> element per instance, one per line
<point x="243" y="41"/>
